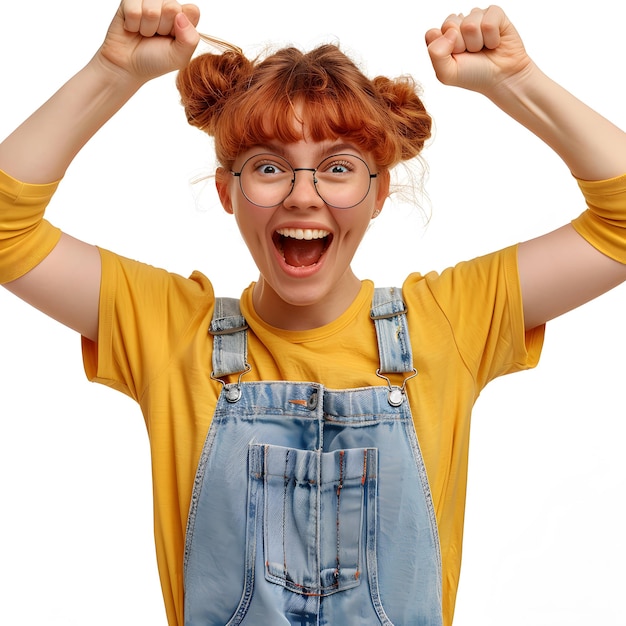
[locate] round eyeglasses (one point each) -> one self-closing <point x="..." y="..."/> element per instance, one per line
<point x="342" y="180"/>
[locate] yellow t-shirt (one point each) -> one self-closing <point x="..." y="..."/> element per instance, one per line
<point x="466" y="328"/>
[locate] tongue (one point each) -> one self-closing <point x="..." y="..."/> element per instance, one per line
<point x="302" y="252"/>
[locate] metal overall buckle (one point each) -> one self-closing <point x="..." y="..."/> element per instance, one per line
<point x="396" y="395"/>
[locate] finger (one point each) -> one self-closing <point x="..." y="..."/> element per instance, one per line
<point x="186" y="39"/>
<point x="432" y="34"/>
<point x="150" y="17"/>
<point x="453" y="24"/>
<point x="471" y="31"/>
<point x="170" y="10"/>
<point x="131" y="11"/>
<point x="168" y="13"/>
<point x="440" y="49"/>
<point x="192" y="12"/>
<point x="493" y="24"/>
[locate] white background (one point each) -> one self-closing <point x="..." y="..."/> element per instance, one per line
<point x="544" y="526"/>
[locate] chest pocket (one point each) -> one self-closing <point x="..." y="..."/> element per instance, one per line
<point x="314" y="515"/>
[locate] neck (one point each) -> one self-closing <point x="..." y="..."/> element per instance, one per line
<point x="309" y="310"/>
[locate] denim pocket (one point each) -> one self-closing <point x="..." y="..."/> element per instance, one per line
<point x="313" y="515"/>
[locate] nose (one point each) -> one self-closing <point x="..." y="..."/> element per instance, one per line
<point x="304" y="190"/>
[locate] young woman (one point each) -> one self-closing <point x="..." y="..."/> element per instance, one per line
<point x="309" y="442"/>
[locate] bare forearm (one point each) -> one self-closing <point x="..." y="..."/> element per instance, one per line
<point x="592" y="147"/>
<point x="136" y="49"/>
<point x="483" y="52"/>
<point x="41" y="148"/>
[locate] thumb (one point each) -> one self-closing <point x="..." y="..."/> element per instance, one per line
<point x="186" y="39"/>
<point x="440" y="49"/>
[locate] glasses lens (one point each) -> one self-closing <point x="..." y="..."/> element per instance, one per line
<point x="266" y="179"/>
<point x="343" y="180"/>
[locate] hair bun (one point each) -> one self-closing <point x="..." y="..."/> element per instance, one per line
<point x="407" y="111"/>
<point x="206" y="83"/>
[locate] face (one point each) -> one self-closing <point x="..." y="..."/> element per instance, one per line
<point x="303" y="247"/>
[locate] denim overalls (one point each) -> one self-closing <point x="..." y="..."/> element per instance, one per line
<point x="311" y="505"/>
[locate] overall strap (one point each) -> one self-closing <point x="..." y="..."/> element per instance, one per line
<point x="230" y="338"/>
<point x="230" y="346"/>
<point x="394" y="345"/>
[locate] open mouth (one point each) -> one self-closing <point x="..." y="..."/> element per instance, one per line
<point x="302" y="247"/>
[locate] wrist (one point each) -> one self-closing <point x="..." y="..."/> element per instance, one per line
<point x="111" y="76"/>
<point x="591" y="147"/>
<point x="519" y="90"/>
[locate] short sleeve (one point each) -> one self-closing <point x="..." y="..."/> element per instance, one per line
<point x="480" y="303"/>
<point x="25" y="237"/>
<point x="144" y="315"/>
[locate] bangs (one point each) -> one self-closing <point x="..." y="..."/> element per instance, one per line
<point x="309" y="100"/>
<point x="289" y="96"/>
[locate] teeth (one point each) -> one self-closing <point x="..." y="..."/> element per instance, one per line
<point x="303" y="233"/>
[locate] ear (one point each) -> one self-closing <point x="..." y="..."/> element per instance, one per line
<point x="222" y="183"/>
<point x="382" y="192"/>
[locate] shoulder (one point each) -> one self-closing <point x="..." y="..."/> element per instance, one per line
<point x="118" y="270"/>
<point x="143" y="301"/>
<point x="474" y="309"/>
<point x="497" y="271"/>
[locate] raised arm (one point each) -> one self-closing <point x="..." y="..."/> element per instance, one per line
<point x="560" y="270"/>
<point x="142" y="42"/>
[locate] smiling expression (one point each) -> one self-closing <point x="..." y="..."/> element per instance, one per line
<point x="302" y="247"/>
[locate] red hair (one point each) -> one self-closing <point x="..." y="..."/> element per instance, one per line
<point x="243" y="103"/>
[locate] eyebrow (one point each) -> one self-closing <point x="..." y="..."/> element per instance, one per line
<point x="341" y="147"/>
<point x="337" y="148"/>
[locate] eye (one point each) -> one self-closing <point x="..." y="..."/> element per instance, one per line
<point x="269" y="167"/>
<point x="337" y="166"/>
